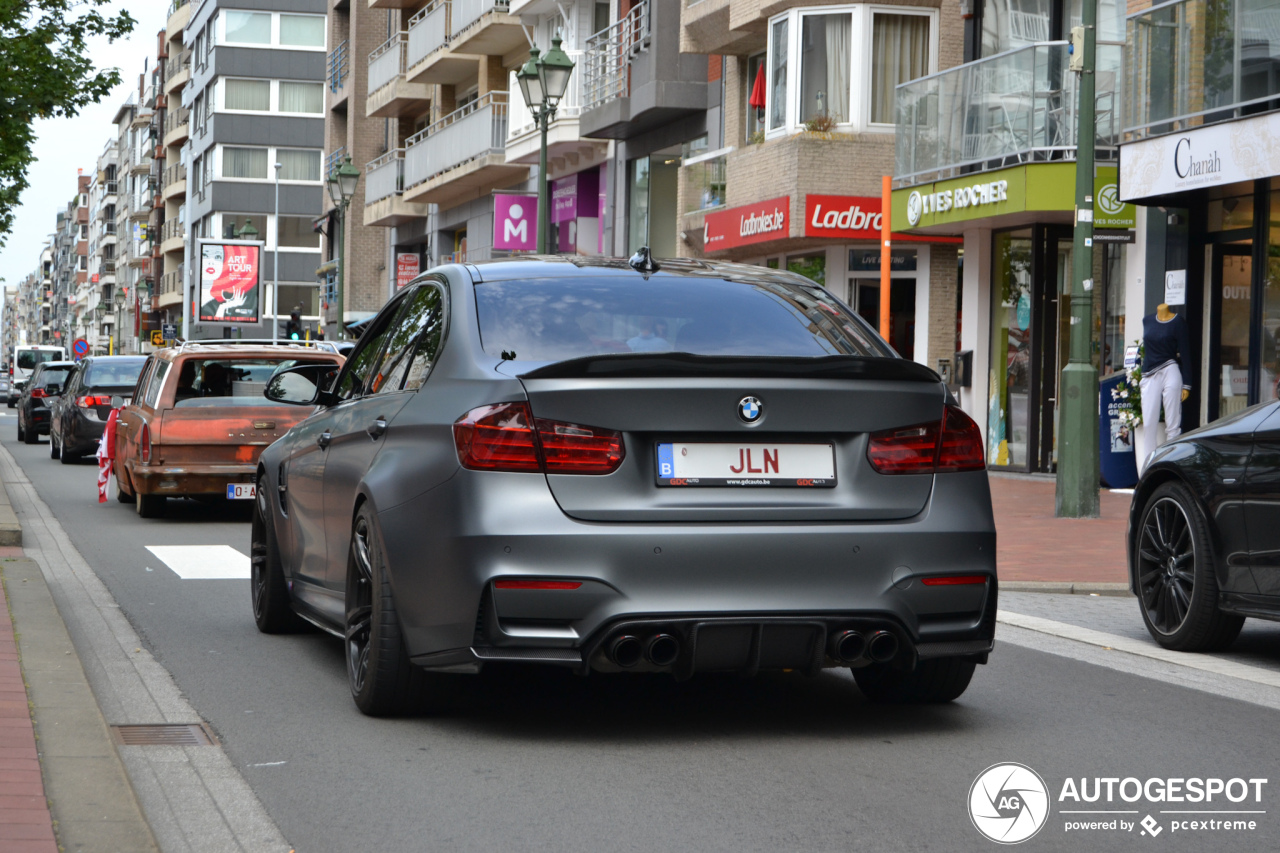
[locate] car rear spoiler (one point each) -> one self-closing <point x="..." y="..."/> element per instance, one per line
<point x="688" y="364"/>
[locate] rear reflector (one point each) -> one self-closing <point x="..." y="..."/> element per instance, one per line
<point x="536" y="584"/>
<point x="954" y="580"/>
<point x="952" y="444"/>
<point x="501" y="438"/>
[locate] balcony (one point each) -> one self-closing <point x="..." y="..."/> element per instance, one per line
<point x="170" y="290"/>
<point x="1197" y="62"/>
<point x="175" y="182"/>
<point x="106" y="268"/>
<point x="338" y="67"/>
<point x="462" y="156"/>
<point x="632" y="81"/>
<point x="177" y="71"/>
<point x="334" y="160"/>
<point x="563" y="138"/>
<point x="724" y="27"/>
<point x="179" y="15"/>
<point x="1016" y="107"/>
<point x="390" y="94"/>
<point x="485" y="28"/>
<point x="429" y="58"/>
<point x="177" y="123"/>
<point x="392" y="4"/>
<point x="384" y="192"/>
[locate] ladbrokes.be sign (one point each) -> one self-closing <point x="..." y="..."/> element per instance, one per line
<point x="752" y="223"/>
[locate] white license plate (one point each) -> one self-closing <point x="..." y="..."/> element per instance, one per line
<point x="756" y="464"/>
<point x="241" y="491"/>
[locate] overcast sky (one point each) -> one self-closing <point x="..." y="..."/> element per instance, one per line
<point x="65" y="145"/>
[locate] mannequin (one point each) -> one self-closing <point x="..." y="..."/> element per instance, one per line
<point x="1166" y="348"/>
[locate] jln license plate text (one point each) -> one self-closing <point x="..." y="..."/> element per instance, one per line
<point x="241" y="491"/>
<point x="799" y="465"/>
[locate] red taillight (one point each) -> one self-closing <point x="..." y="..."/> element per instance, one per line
<point x="952" y="444"/>
<point x="92" y="400"/>
<point x="536" y="584"/>
<point x="38" y="393"/>
<point x="500" y="438"/>
<point x="144" y="443"/>
<point x="954" y="580"/>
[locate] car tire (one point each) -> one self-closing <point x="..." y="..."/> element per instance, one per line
<point x="22" y="434"/>
<point x="150" y="506"/>
<point x="122" y="496"/>
<point x="30" y="435"/>
<point x="67" y="457"/>
<point x="54" y="451"/>
<point x="931" y="682"/>
<point x="382" y="680"/>
<point x="1177" y="583"/>
<point x="268" y="590"/>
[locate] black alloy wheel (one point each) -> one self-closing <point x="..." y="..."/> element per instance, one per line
<point x="268" y="588"/>
<point x="1177" y="586"/>
<point x="382" y="679"/>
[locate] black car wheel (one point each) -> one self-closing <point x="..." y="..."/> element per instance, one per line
<point x="932" y="681"/>
<point x="383" y="681"/>
<point x="1176" y="582"/>
<point x="122" y="496"/>
<point x="150" y="506"/>
<point x="30" y="435"/>
<point x="269" y="591"/>
<point x="55" y="452"/>
<point x="22" y="434"/>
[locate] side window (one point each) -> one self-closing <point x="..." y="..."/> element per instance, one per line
<point x="73" y="381"/>
<point x="422" y="313"/>
<point x="367" y="354"/>
<point x="156" y="383"/>
<point x="424" y="355"/>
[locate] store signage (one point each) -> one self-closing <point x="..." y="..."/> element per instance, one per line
<point x="843" y="217"/>
<point x="868" y="260"/>
<point x="1209" y="156"/>
<point x="515" y="222"/>
<point x="942" y="200"/>
<point x="1175" y="287"/>
<point x="743" y="226"/>
<point x="407" y="266"/>
<point x="229" y="282"/>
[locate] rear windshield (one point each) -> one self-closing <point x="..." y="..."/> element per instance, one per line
<point x="52" y="374"/>
<point x="29" y="358"/>
<point x="105" y="373"/>
<point x="229" y="381"/>
<point x="556" y="319"/>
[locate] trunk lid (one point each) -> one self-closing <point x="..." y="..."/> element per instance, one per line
<point x="216" y="434"/>
<point x="683" y="399"/>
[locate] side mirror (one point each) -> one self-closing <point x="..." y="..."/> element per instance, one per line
<point x="302" y="385"/>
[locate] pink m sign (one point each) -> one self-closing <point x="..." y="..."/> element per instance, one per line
<point x="515" y="222"/>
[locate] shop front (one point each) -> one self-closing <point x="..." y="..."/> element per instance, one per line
<point x="1219" y="190"/>
<point x="1015" y="314"/>
<point x="836" y="242"/>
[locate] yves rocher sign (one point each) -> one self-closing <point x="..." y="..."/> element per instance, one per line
<point x="743" y="226"/>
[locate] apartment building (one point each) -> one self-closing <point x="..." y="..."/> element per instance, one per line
<point x="135" y="198"/>
<point x="171" y="123"/>
<point x="255" y="134"/>
<point x="69" y="269"/>
<point x="986" y="151"/>
<point x="99" y="292"/>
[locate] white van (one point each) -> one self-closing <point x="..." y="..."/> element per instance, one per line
<point x="25" y="359"/>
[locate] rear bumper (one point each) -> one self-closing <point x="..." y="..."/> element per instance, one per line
<point x="177" y="480"/>
<point x="447" y="548"/>
<point x="85" y="435"/>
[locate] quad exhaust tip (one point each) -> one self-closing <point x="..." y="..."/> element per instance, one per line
<point x="625" y="650"/>
<point x="848" y="646"/>
<point x="882" y="647"/>
<point x="662" y="650"/>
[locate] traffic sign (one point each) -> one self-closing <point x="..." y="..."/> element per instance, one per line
<point x="169" y="330"/>
<point x="80" y="348"/>
<point x="157" y="338"/>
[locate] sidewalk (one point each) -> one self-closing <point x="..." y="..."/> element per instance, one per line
<point x="1034" y="546"/>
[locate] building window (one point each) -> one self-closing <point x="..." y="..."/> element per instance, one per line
<point x="251" y="95"/>
<point x="244" y="163"/>
<point x="233" y="224"/>
<point x="850" y="60"/>
<point x="295" y="232"/>
<point x="299" y="164"/>
<point x="301" y="31"/>
<point x="899" y="52"/>
<point x="755" y="117"/>
<point x="302" y="98"/>
<point x="248" y="28"/>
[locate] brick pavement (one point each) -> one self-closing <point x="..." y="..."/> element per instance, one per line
<point x="1033" y="545"/>
<point x="25" y="823"/>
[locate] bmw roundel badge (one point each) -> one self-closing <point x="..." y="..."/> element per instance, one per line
<point x="750" y="409"/>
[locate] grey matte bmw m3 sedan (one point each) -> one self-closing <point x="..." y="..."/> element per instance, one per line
<point x="627" y="466"/>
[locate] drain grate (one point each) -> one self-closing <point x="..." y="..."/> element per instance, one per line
<point x="167" y="734"/>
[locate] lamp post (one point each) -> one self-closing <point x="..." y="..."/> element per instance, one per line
<point x="543" y="82"/>
<point x="342" y="186"/>
<point x="275" y="259"/>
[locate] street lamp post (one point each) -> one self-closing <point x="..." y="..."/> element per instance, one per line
<point x="342" y="186"/>
<point x="543" y="82"/>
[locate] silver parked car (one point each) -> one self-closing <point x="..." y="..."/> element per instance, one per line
<point x="612" y="466"/>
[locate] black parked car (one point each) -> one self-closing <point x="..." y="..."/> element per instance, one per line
<point x="97" y="385"/>
<point x="1204" y="545"/>
<point x="33" y="406"/>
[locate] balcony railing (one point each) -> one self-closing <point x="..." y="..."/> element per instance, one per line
<point x="386" y="176"/>
<point x="172" y="229"/>
<point x="334" y="160"/>
<point x="386" y="62"/>
<point x="467" y="12"/>
<point x="176" y="64"/>
<point x="339" y="64"/>
<point x="109" y="188"/>
<point x="1015" y="107"/>
<point x="171" y="282"/>
<point x="175" y="118"/>
<point x="175" y="5"/>
<point x="467" y="133"/>
<point x="428" y="31"/>
<point x="608" y="56"/>
<point x="1198" y="62"/>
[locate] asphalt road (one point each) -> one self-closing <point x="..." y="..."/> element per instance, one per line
<point x="537" y="759"/>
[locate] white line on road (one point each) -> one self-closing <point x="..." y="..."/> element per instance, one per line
<point x="1217" y="666"/>
<point x="203" y="562"/>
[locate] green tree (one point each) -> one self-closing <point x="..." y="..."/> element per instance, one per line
<point x="47" y="73"/>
